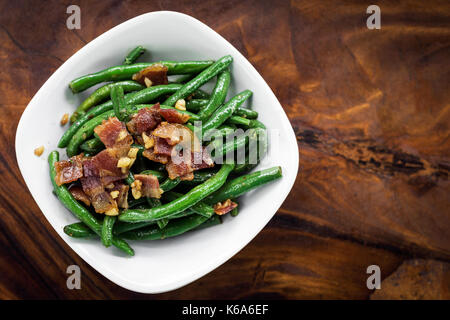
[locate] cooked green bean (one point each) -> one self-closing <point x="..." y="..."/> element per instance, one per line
<point x="79" y="230"/>
<point x="199" y="80"/>
<point x="119" y="106"/>
<point x="240" y="185"/>
<point x="194" y="196"/>
<point x="169" y="184"/>
<point x="200" y="177"/>
<point x="130" y="178"/>
<point x="218" y="95"/>
<point x="77" y="209"/>
<point x="261" y="145"/>
<point x="239" y="121"/>
<point x="195" y="105"/>
<point x="199" y="208"/>
<point x="102" y="94"/>
<point x="175" y="228"/>
<point x="225" y="111"/>
<point x="107" y="230"/>
<point x="93" y="145"/>
<point x="134" y="55"/>
<point x="143" y="96"/>
<point x="158" y="174"/>
<point x="127" y="71"/>
<point x="234" y="212"/>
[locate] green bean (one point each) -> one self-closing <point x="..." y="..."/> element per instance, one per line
<point x="102" y="94"/>
<point x="194" y="196"/>
<point x="256" y="124"/>
<point x="169" y="184"/>
<point x="78" y="230"/>
<point x="225" y="111"/>
<point x="175" y="228"/>
<point x="86" y="131"/>
<point x="246" y="113"/>
<point x="133" y="55"/>
<point x="184" y="78"/>
<point x="240" y="185"/>
<point x="77" y="209"/>
<point x="200" y="94"/>
<point x="199" y="80"/>
<point x="218" y="95"/>
<point x="130" y="178"/>
<point x="127" y="71"/>
<point x="107" y="230"/>
<point x="135" y="202"/>
<point x="239" y="121"/>
<point x="93" y="145"/>
<point x="156" y="203"/>
<point x="261" y="144"/>
<point x="234" y="212"/>
<point x="119" y="106"/>
<point x="143" y="96"/>
<point x="195" y="105"/>
<point x="199" y="208"/>
<point x="200" y="177"/>
<point x="219" y="149"/>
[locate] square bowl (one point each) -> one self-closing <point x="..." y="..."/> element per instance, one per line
<point x="158" y="266"/>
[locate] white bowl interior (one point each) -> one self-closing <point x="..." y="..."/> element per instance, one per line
<point x="158" y="266"/>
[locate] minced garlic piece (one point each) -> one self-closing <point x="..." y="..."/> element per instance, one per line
<point x="180" y="105"/>
<point x="64" y="119"/>
<point x="114" y="194"/>
<point x="148" y="141"/>
<point x="39" y="151"/>
<point x="136" y="189"/>
<point x="133" y="153"/>
<point x="148" y="82"/>
<point x="122" y="135"/>
<point x="112" y="212"/>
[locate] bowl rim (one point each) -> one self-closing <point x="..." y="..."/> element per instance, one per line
<point x="220" y="258"/>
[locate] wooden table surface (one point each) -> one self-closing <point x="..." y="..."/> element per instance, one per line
<point x="371" y="112"/>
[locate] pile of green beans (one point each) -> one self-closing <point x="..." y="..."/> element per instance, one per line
<point x="185" y="205"/>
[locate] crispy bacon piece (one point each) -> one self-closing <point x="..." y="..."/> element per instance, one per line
<point x="202" y="160"/>
<point x="105" y="163"/>
<point x="180" y="169"/>
<point x="156" y="73"/>
<point x="113" y="134"/>
<point x="225" y="207"/>
<point x="174" y="116"/>
<point x="145" y="120"/>
<point x="69" y="170"/>
<point x="151" y="155"/>
<point x="175" y="133"/>
<point x="100" y="199"/>
<point x="162" y="147"/>
<point x="149" y="185"/>
<point x="78" y="193"/>
<point x="119" y="192"/>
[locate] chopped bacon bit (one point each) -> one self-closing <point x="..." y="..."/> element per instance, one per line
<point x="172" y="115"/>
<point x="161" y="147"/>
<point x="156" y="73"/>
<point x="39" y="151"/>
<point x="113" y="134"/>
<point x="69" y="170"/>
<point x="151" y="155"/>
<point x="180" y="169"/>
<point x="106" y="164"/>
<point x="78" y="193"/>
<point x="64" y="119"/>
<point x="145" y="120"/>
<point x="148" y="185"/>
<point x="174" y="133"/>
<point x="100" y="199"/>
<point x="202" y="160"/>
<point x="225" y="207"/>
<point x="119" y="192"/>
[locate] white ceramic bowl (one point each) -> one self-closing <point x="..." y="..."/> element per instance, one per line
<point x="158" y="266"/>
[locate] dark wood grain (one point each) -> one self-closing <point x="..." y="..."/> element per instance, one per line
<point x="371" y="112"/>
